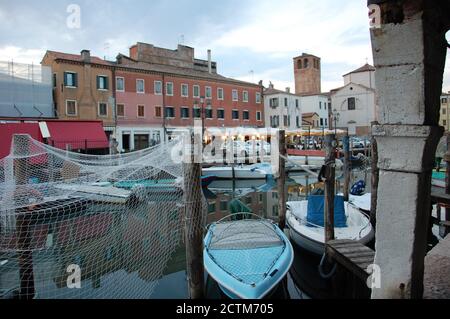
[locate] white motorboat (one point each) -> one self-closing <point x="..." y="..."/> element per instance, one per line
<point x="311" y="236"/>
<point x="255" y="171"/>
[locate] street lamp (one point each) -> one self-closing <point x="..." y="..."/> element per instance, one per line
<point x="336" y="115"/>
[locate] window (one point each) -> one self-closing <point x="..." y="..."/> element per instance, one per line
<point x="326" y="122"/>
<point x="296" y="103"/>
<point x="235" y="114"/>
<point x="221" y="114"/>
<point x="184" y="112"/>
<point x="102" y="109"/>
<point x="196" y="112"/>
<point x="443" y="111"/>
<point x="220" y="94"/>
<point x="299" y="64"/>
<point x="157" y="86"/>
<point x="235" y="95"/>
<point x="273" y="102"/>
<point x="120" y="110"/>
<point x="320" y="105"/>
<point x="102" y="82"/>
<point x="54" y="80"/>
<point x="211" y="208"/>
<point x="208" y="92"/>
<point x="286" y="101"/>
<point x="223" y="205"/>
<point x="71" y="108"/>
<point x="444" y="122"/>
<point x="324" y="105"/>
<point x="141" y="111"/>
<point x="351" y="103"/>
<point x="245" y="96"/>
<point x="246" y="115"/>
<point x="169" y="112"/>
<point x="321" y="122"/>
<point x="70" y="79"/>
<point x="285" y="120"/>
<point x="120" y="84"/>
<point x="208" y="113"/>
<point x="444" y="100"/>
<point x="196" y="91"/>
<point x="297" y="121"/>
<point x="169" y="88"/>
<point x="258" y="116"/>
<point x="140" y="86"/>
<point x="158" y="111"/>
<point x="258" y="97"/>
<point x="305" y="63"/>
<point x="184" y="90"/>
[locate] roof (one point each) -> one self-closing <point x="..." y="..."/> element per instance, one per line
<point x="134" y="65"/>
<point x="365" y="68"/>
<point x="353" y="84"/>
<point x="8" y="130"/>
<point x="77" y="134"/>
<point x="78" y="58"/>
<point x="325" y="94"/>
<point x="271" y="91"/>
<point x="309" y="114"/>
<point x="304" y="55"/>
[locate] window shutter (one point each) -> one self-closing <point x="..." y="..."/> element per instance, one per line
<point x="98" y="82"/>
<point x="106" y="83"/>
<point x="75" y="80"/>
<point x="65" y="78"/>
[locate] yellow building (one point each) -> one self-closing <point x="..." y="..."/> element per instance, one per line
<point x="445" y="109"/>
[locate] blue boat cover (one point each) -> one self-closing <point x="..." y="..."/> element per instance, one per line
<point x="316" y="209"/>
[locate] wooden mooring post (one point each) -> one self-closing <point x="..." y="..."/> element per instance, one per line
<point x="444" y="230"/>
<point x="374" y="182"/>
<point x="281" y="181"/>
<point x="330" y="176"/>
<point x="193" y="215"/>
<point x="347" y="168"/>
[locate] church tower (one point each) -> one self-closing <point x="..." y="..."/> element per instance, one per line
<point x="307" y="74"/>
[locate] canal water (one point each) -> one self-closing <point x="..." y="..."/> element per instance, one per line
<point x="261" y="196"/>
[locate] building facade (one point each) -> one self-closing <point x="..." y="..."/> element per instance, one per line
<point x="317" y="104"/>
<point x="354" y="105"/>
<point x="307" y="74"/>
<point x="282" y="109"/>
<point x="152" y="93"/>
<point x="444" y="119"/>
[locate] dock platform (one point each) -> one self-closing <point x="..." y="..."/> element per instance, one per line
<point x="353" y="256"/>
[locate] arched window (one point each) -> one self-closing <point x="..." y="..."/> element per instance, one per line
<point x="305" y="63"/>
<point x="299" y="64"/>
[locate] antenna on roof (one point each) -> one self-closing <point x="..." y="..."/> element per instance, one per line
<point x="106" y="47"/>
<point x="253" y="75"/>
<point x="181" y="39"/>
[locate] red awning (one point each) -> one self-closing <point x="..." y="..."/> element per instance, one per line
<point x="78" y="134"/>
<point x="7" y="130"/>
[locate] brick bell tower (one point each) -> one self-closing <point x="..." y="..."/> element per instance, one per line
<point x="307" y="74"/>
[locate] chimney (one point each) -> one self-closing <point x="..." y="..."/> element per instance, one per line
<point x="86" y="56"/>
<point x="209" y="62"/>
<point x="270" y="85"/>
<point x="260" y="83"/>
<point x="288" y="90"/>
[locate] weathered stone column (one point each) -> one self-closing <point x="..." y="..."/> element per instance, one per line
<point x="409" y="48"/>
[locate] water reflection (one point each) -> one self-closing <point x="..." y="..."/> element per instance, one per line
<point x="114" y="247"/>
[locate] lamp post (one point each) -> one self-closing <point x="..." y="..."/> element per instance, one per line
<point x="202" y="110"/>
<point x="336" y="115"/>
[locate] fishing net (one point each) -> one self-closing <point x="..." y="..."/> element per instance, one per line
<point x="85" y="226"/>
<point x="246" y="249"/>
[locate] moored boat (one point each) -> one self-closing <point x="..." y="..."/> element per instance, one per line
<point x="306" y="227"/>
<point x="255" y="171"/>
<point x="248" y="258"/>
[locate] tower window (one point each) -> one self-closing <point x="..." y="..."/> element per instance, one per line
<point x="306" y="63"/>
<point x="299" y="64"/>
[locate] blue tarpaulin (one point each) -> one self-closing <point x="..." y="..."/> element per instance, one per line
<point x="316" y="209"/>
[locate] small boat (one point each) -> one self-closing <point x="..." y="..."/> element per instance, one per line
<point x="158" y="183"/>
<point x="255" y="171"/>
<point x="248" y="258"/>
<point x="306" y="226"/>
<point x="438" y="179"/>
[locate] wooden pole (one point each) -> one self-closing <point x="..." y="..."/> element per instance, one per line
<point x="346" y="145"/>
<point x="193" y="216"/>
<point x="444" y="231"/>
<point x="330" y="159"/>
<point x="374" y="180"/>
<point x="281" y="181"/>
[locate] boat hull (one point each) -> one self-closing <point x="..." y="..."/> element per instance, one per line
<point x="236" y="289"/>
<point x="239" y="173"/>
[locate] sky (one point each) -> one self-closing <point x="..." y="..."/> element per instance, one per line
<point x="251" y="40"/>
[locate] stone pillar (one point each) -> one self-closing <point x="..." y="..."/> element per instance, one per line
<point x="409" y="48"/>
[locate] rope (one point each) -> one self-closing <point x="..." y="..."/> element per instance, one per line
<point x="321" y="272"/>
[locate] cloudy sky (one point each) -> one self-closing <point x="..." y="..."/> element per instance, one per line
<point x="250" y="39"/>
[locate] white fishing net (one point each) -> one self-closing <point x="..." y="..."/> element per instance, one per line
<point x="85" y="226"/>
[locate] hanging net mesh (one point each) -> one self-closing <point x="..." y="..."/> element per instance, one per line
<point x="85" y="226"/>
<point x="246" y="249"/>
